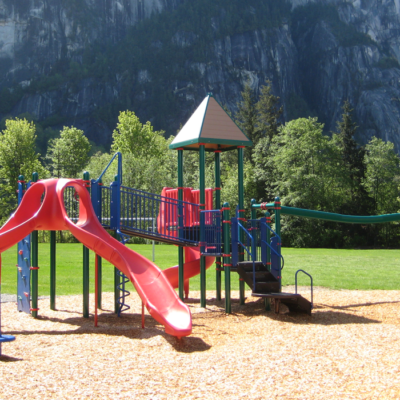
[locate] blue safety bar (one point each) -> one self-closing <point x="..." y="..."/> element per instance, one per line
<point x="119" y="170"/>
<point x="212" y="232"/>
<point x="236" y="229"/>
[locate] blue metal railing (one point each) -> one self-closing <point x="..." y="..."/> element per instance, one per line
<point x="251" y="250"/>
<point x="158" y="217"/>
<point x="272" y="250"/>
<point x="105" y="216"/>
<point x="212" y="228"/>
<point x="253" y="226"/>
<point x="119" y="168"/>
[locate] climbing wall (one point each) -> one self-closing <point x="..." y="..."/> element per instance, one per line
<point x="23" y="281"/>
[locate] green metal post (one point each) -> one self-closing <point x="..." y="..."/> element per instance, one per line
<point x="35" y="262"/>
<point x="53" y="270"/>
<point x="180" y="222"/>
<point x="241" y="215"/>
<point x="217" y="171"/>
<point x="202" y="163"/>
<point x="85" y="310"/>
<point x="227" y="258"/>
<point x="267" y="301"/>
<point x="253" y="210"/>
<point x="268" y="218"/>
<point x="277" y="205"/>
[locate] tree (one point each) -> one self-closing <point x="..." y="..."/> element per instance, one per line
<point x="17" y="151"/>
<point x="133" y="137"/>
<point x="246" y="117"/>
<point x="352" y="156"/>
<point x="306" y="175"/>
<point x="381" y="175"/>
<point x="17" y="157"/>
<point x="381" y="183"/>
<point x="346" y="130"/>
<point x="68" y="155"/>
<point x="268" y="113"/>
<point x="260" y="122"/>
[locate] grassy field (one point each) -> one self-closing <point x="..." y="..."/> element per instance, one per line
<point x="336" y="269"/>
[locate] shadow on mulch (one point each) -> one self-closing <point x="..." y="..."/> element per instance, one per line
<point x="188" y="344"/>
<point x="360" y="305"/>
<point x="128" y="326"/>
<point x="4" y="358"/>
<point x="319" y="316"/>
<point x="328" y="318"/>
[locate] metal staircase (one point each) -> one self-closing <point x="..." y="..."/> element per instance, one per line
<point x="264" y="276"/>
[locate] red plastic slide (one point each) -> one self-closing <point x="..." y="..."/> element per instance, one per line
<point x="153" y="287"/>
<point x="168" y="218"/>
<point x="191" y="268"/>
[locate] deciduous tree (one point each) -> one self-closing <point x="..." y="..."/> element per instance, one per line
<point x="68" y="155"/>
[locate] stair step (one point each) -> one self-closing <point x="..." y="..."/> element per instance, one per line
<point x="261" y="276"/>
<point x="265" y="281"/>
<point x="267" y="287"/>
<point x="248" y="266"/>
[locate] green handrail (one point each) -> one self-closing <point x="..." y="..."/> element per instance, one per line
<point x="326" y="216"/>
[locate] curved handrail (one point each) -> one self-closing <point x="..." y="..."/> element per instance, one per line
<point x="250" y="253"/>
<point x="279" y="255"/>
<point x="295" y="277"/>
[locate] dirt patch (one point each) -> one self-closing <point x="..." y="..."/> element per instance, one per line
<point x="348" y="349"/>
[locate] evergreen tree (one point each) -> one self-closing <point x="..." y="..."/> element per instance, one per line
<point x="268" y="113"/>
<point x="352" y="156"/>
<point x="268" y="123"/>
<point x="247" y="118"/>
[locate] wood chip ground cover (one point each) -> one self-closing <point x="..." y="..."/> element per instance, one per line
<point x="348" y="349"/>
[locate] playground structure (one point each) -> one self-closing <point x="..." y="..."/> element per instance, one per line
<point x="191" y="219"/>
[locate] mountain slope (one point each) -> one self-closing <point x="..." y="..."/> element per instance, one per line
<point x="80" y="63"/>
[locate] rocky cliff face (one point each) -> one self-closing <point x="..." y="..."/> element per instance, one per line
<point x="36" y="34"/>
<point x="316" y="58"/>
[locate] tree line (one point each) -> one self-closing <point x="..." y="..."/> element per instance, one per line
<point x="295" y="160"/>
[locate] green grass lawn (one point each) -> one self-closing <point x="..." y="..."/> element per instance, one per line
<point x="336" y="269"/>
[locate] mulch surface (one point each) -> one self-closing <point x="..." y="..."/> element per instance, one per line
<point x="348" y="349"/>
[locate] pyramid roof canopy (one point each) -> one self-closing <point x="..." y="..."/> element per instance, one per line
<point x="212" y="126"/>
